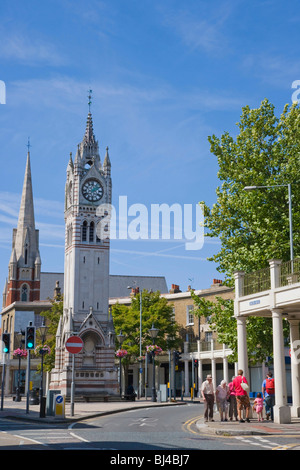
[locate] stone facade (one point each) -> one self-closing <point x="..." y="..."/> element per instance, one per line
<point x="24" y="269"/>
<point x="86" y="275"/>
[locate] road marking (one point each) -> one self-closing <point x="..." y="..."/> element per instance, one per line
<point x="187" y="425"/>
<point x="144" y="422"/>
<point x="262" y="442"/>
<point x="29" y="439"/>
<point x="265" y="440"/>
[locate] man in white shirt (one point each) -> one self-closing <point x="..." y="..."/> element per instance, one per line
<point x="207" y="392"/>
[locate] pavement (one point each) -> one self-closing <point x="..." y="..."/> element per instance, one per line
<point x="17" y="410"/>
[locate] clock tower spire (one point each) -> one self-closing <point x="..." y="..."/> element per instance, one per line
<point x="86" y="276"/>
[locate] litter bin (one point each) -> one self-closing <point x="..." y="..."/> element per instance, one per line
<point x="43" y="407"/>
<point x="34" y="396"/>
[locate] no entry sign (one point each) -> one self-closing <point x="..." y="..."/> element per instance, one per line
<point x="74" y="344"/>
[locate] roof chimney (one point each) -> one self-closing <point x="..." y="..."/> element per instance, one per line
<point x="174" y="289"/>
<point x="216" y="282"/>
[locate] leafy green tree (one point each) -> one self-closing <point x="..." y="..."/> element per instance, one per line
<point x="253" y="227"/>
<point x="155" y="311"/>
<point x="52" y="317"/>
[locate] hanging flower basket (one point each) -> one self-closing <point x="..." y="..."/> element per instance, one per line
<point x="42" y="349"/>
<point x="121" y="353"/>
<point x="154" y="348"/>
<point x="20" y="352"/>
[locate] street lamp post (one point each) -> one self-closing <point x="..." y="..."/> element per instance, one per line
<point x="153" y="333"/>
<point x="43" y="332"/>
<point x="288" y="185"/>
<point x="20" y="341"/>
<point x="121" y="338"/>
<point x="140" y="360"/>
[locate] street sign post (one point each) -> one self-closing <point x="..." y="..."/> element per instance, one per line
<point x="74" y="345"/>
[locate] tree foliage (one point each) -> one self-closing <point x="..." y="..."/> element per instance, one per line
<point x="53" y="316"/>
<point x="253" y="227"/>
<point x="155" y="311"/>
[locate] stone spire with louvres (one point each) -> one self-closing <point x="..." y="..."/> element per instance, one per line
<point x="23" y="283"/>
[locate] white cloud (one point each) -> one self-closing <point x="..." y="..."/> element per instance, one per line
<point x="199" y="27"/>
<point x="23" y="48"/>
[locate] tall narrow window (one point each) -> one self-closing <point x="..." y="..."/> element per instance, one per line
<point x="24" y="293"/>
<point x="91" y="237"/>
<point x="84" y="231"/>
<point x="26" y="254"/>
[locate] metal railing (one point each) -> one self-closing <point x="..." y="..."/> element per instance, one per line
<point x="290" y="272"/>
<point x="257" y="281"/>
<point x="204" y="346"/>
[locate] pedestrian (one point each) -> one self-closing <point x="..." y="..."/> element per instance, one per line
<point x="222" y="394"/>
<point x="232" y="401"/>
<point x="207" y="392"/>
<point x="268" y="393"/>
<point x="258" y="406"/>
<point x="240" y="384"/>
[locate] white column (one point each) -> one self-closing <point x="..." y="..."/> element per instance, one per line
<point x="214" y="373"/>
<point x="213" y="366"/>
<point x="186" y="371"/>
<point x="282" y="412"/>
<point x="199" y="370"/>
<point x="200" y="376"/>
<point x="275" y="272"/>
<point x="242" y="346"/>
<point x="225" y="366"/>
<point x="295" y="367"/>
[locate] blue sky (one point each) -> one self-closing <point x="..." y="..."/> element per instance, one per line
<point x="165" y="75"/>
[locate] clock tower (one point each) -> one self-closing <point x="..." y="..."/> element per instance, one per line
<point x="86" y="276"/>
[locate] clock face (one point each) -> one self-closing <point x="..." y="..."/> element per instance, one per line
<point x="92" y="190"/>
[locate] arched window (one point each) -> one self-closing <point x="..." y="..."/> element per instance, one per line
<point x="91" y="236"/>
<point x="24" y="293"/>
<point x="84" y="231"/>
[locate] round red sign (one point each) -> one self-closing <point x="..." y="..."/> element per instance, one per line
<point x="74" y="344"/>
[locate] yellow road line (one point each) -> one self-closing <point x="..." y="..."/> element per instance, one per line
<point x="187" y="425"/>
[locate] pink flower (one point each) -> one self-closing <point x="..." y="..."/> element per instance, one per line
<point x="20" y="352"/>
<point x="155" y="348"/>
<point x="121" y="353"/>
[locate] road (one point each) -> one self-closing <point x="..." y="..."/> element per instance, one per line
<point x="160" y="431"/>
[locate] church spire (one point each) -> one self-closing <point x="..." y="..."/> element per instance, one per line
<point x="25" y="263"/>
<point x="26" y="241"/>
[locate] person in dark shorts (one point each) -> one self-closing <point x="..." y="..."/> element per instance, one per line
<point x="242" y="397"/>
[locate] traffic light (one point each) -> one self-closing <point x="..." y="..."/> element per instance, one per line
<point x="6" y="342"/>
<point x="30" y="338"/>
<point x="149" y="357"/>
<point x="195" y="363"/>
<point x="177" y="357"/>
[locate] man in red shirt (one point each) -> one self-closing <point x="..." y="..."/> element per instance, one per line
<point x="242" y="397"/>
